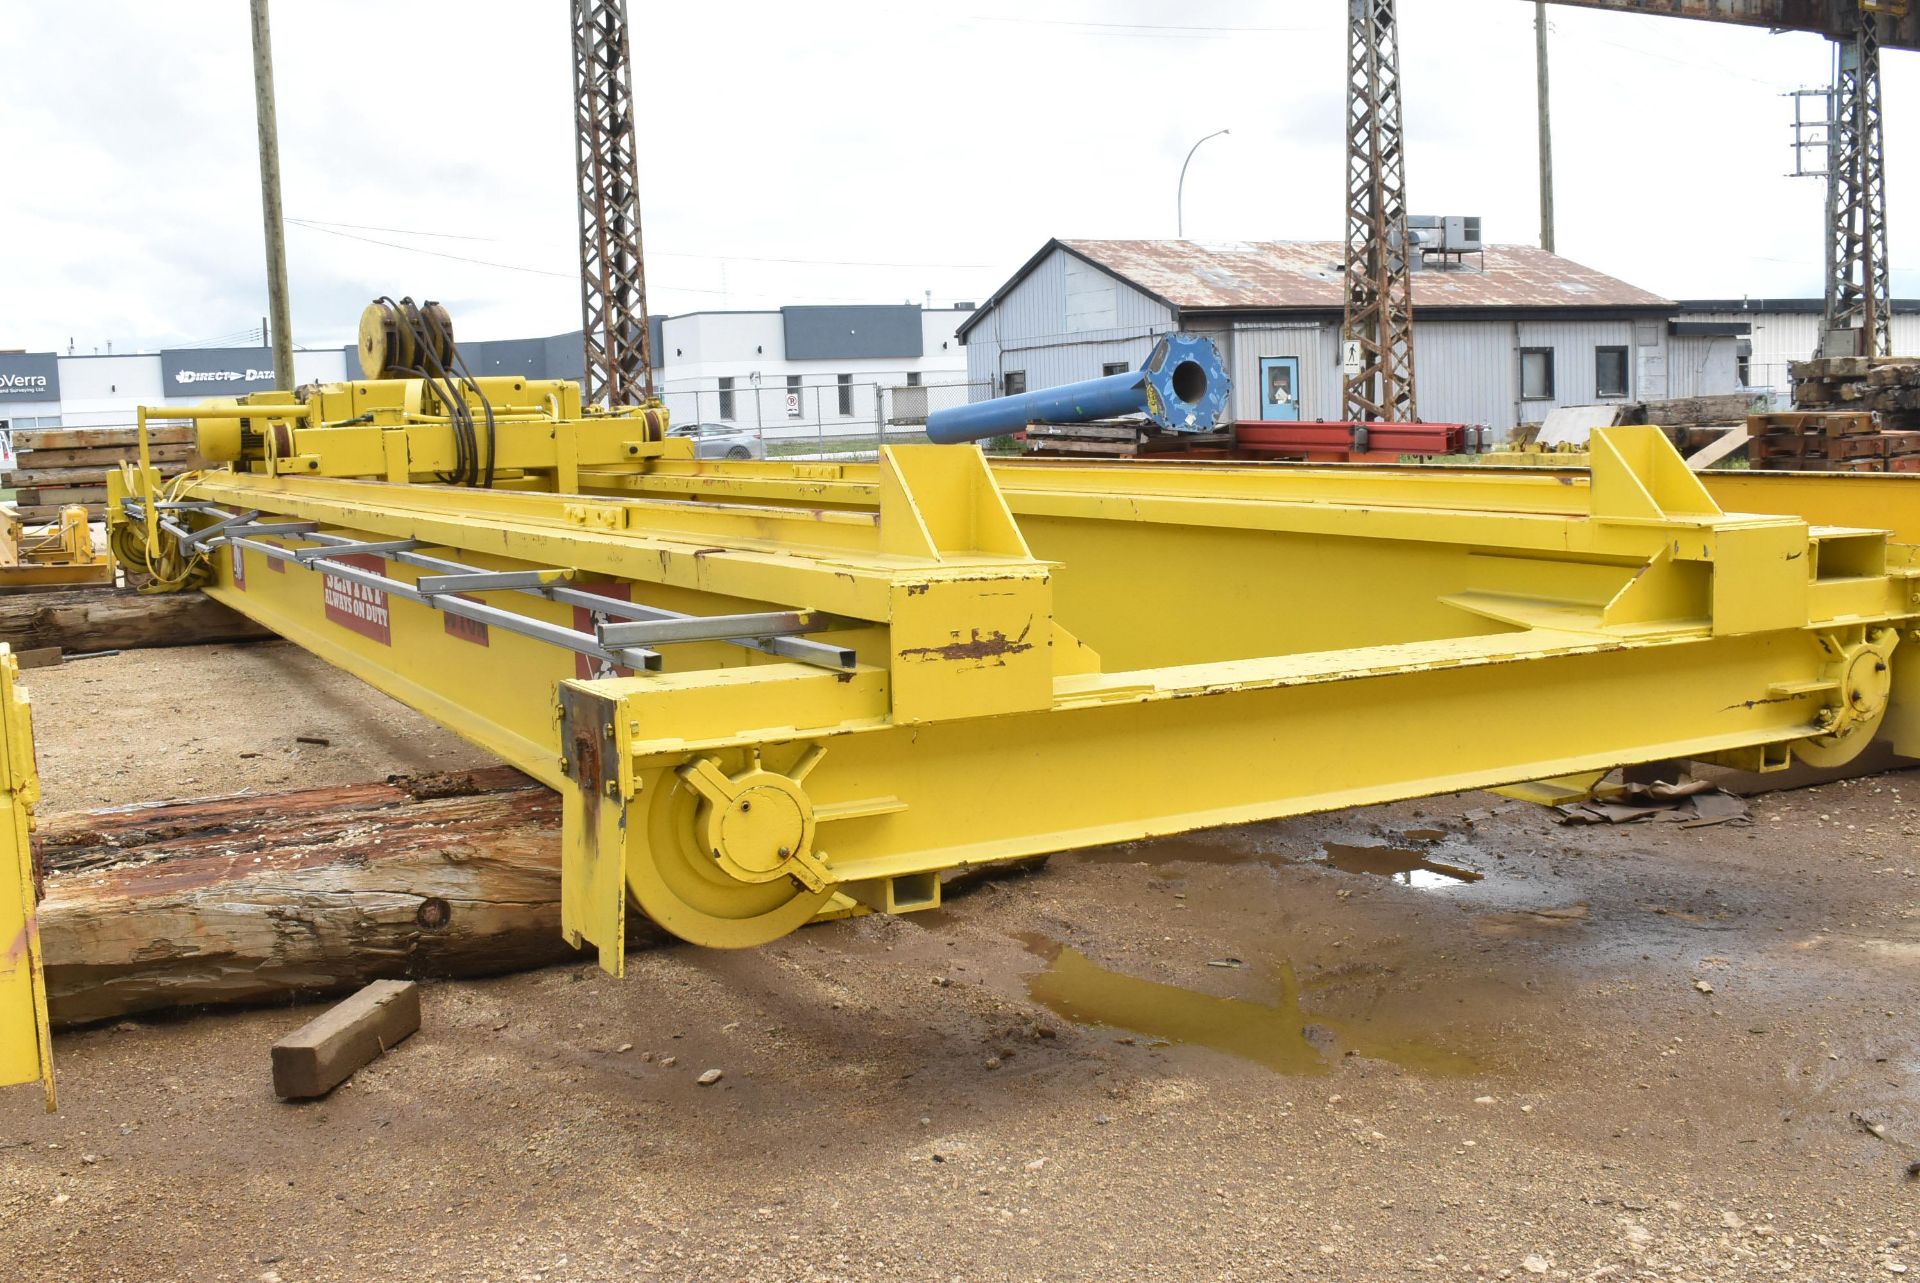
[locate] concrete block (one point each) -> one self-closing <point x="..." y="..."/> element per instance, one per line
<point x="324" y="1052"/>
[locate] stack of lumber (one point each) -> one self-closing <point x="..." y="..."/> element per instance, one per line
<point x="61" y="466"/>
<point x="1830" y="441"/>
<point x="1694" y="422"/>
<point x="1121" y="439"/>
<point x="1083" y="440"/>
<point x="1854" y="414"/>
<point x="1851" y="415"/>
<point x="1889" y="386"/>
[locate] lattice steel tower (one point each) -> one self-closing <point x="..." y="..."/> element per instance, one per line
<point x="1859" y="292"/>
<point x="1379" y="316"/>
<point x="613" y="286"/>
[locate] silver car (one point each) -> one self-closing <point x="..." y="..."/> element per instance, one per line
<point x="718" y="441"/>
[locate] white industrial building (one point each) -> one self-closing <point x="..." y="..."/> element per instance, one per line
<point x="806" y="370"/>
<point x="790" y="371"/>
<point x="44" y="390"/>
<point x="1775" y="332"/>
<point x="1502" y="335"/>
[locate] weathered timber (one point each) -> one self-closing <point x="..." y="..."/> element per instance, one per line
<point x="37" y="514"/>
<point x="323" y="1053"/>
<point x="104" y="458"/>
<point x="62" y="494"/>
<point x="108" y="618"/>
<point x="292" y="895"/>
<point x="31" y="475"/>
<point x="95" y="438"/>
<point x="1695" y="411"/>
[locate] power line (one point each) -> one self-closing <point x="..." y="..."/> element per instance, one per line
<point x="1692" y="64"/>
<point x="433" y="253"/>
<point x="398" y="231"/>
<point x="1144" y="28"/>
<point x="319" y="224"/>
<point x="252" y="334"/>
<point x="540" y="271"/>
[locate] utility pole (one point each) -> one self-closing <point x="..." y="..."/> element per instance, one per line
<point x="613" y="280"/>
<point x="278" y="304"/>
<point x="1377" y="336"/>
<point x="1546" y="127"/>
<point x="1859" y="313"/>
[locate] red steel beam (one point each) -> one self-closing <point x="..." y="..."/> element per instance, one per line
<point x="1342" y="438"/>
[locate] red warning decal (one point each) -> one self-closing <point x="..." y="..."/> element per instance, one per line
<point x="356" y="606"/>
<point x="466" y="629"/>
<point x="586" y="667"/>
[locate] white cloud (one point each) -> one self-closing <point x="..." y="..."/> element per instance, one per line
<point x="954" y="137"/>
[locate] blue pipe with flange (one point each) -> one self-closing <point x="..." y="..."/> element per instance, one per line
<point x="1182" y="387"/>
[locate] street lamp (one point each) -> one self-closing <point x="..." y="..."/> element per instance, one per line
<point x="1180" y="200"/>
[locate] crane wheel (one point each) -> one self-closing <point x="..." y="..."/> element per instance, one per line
<point x="1861" y="669"/>
<point x="728" y="862"/>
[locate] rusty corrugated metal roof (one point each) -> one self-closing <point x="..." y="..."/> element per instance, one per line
<point x="1285" y="275"/>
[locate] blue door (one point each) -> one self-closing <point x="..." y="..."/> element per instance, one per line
<point x="1280" y="387"/>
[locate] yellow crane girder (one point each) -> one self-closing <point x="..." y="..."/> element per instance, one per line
<point x="773" y="692"/>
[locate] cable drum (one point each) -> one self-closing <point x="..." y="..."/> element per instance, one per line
<point x="405" y="340"/>
<point x="390" y="337"/>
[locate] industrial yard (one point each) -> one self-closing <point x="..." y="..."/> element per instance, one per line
<point x="1387" y="1080"/>
<point x="944" y="733"/>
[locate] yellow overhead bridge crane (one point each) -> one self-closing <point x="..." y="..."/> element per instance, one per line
<point x="773" y="692"/>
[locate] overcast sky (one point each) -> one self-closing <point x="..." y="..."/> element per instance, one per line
<point x="856" y="151"/>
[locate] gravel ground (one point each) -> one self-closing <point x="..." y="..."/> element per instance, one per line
<point x="1641" y="1052"/>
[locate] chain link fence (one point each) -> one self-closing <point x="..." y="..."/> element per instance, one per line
<point x="791" y="418"/>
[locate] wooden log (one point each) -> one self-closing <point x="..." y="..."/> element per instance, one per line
<point x="108" y="618"/>
<point x="63" y="494"/>
<point x="1696" y="411"/>
<point x="37" y="476"/>
<point x="274" y="897"/>
<point x="36" y="514"/>
<point x="94" y="438"/>
<point x="1896" y="375"/>
<point x="105" y="456"/>
<point x="34" y="472"/>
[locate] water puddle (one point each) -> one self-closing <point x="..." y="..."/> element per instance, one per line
<point x="1179" y="849"/>
<point x="1279" y="1034"/>
<point x="1408" y="865"/>
<point x="1408" y="868"/>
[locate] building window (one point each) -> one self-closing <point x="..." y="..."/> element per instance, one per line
<point x="1114" y="367"/>
<point x="793" y="396"/>
<point x="1610" y="371"/>
<point x="726" y="398"/>
<point x="846" y="395"/>
<point x="1536" y="374"/>
<point x="913" y="378"/>
<point x="1013" y="383"/>
<point x="793" y="383"/>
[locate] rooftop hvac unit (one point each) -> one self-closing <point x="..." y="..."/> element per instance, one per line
<point x="1452" y="235"/>
<point x="1462" y="235"/>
